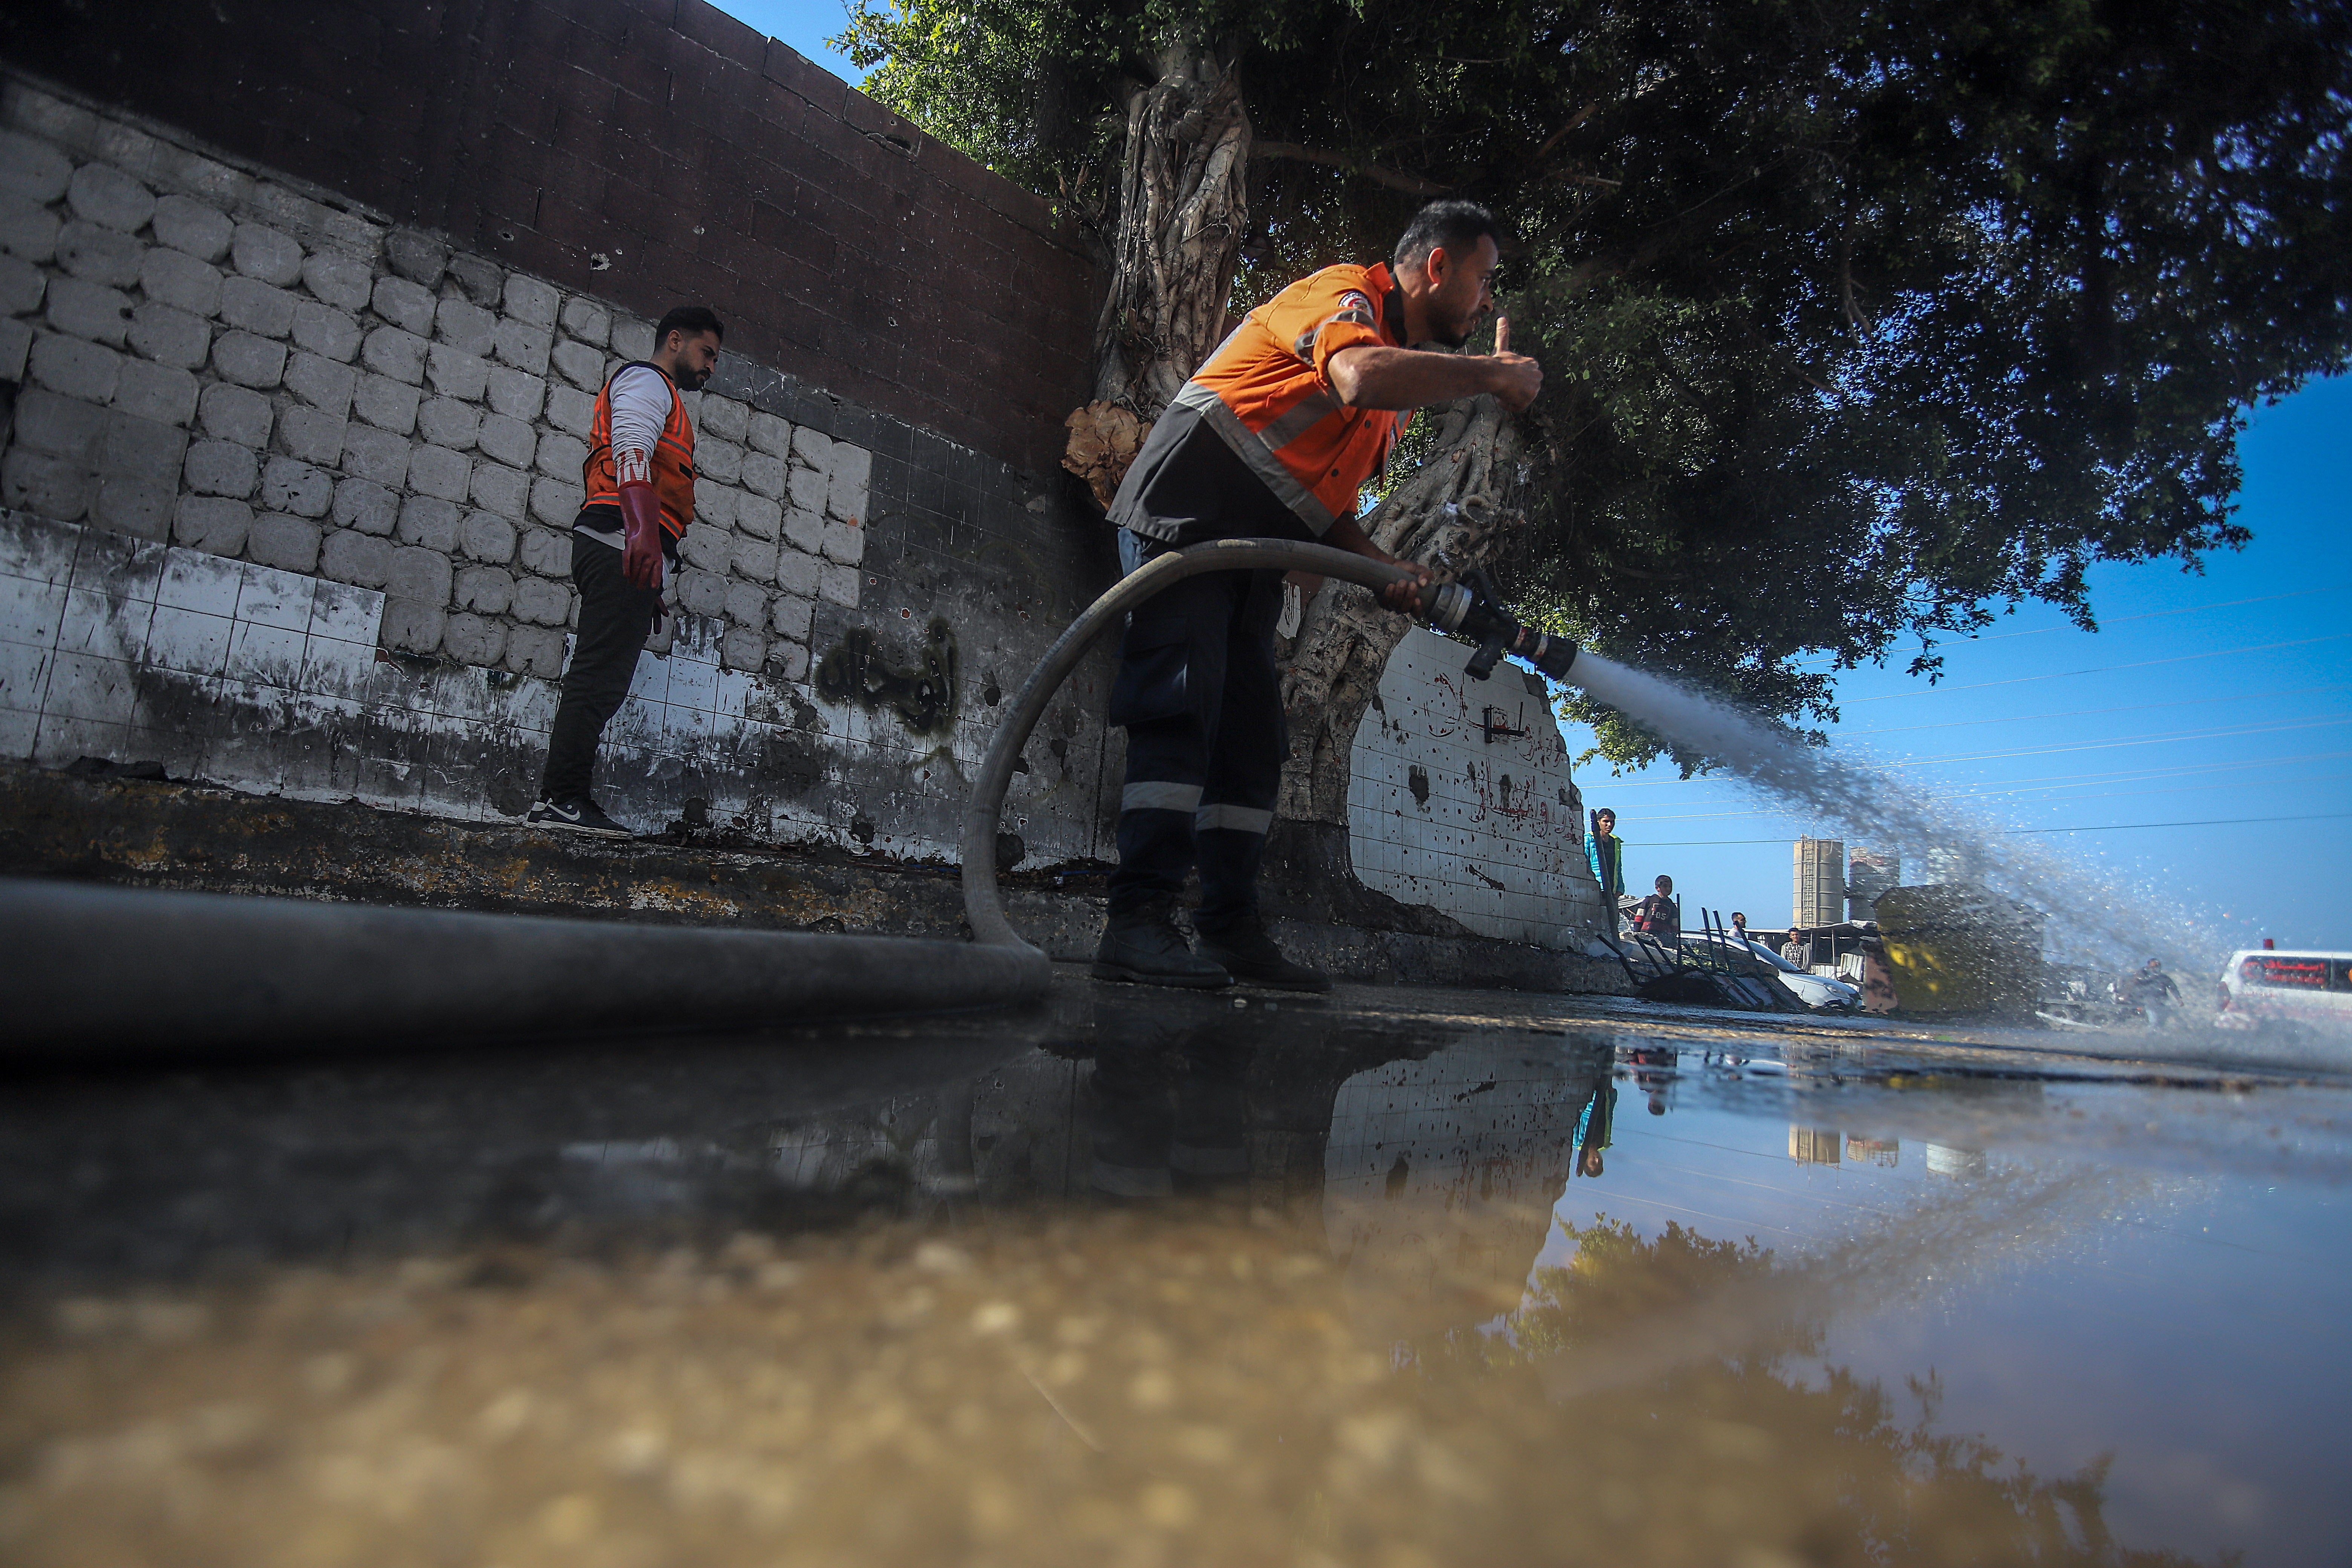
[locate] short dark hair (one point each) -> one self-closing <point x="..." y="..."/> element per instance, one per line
<point x="691" y="320"/>
<point x="1452" y="223"/>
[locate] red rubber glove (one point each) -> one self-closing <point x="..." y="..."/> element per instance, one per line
<point x="640" y="531"/>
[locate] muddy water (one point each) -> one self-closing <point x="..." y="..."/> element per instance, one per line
<point x="1403" y="1277"/>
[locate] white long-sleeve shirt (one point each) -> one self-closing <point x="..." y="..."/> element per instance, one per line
<point x="641" y="404"/>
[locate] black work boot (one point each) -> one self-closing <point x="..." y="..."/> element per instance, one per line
<point x="1146" y="946"/>
<point x="1250" y="956"/>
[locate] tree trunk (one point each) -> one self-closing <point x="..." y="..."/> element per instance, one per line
<point x="1451" y="513"/>
<point x="1183" y="204"/>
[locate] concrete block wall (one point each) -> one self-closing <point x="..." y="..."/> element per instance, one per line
<point x="643" y="151"/>
<point x="216" y="359"/>
<point x="1488" y="831"/>
<point x="219" y="361"/>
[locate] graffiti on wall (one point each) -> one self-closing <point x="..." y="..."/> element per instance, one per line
<point x="1460" y="800"/>
<point x="920" y="693"/>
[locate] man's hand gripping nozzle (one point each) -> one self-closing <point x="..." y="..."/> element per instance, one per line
<point x="1472" y="606"/>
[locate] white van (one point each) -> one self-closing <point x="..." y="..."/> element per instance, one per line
<point x="2265" y="983"/>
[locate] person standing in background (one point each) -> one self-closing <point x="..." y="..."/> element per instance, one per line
<point x="1738" y="928"/>
<point x="639" y="485"/>
<point x="2153" y="990"/>
<point x="1658" y="915"/>
<point x="1605" y="853"/>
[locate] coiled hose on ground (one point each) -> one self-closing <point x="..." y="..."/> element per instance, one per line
<point x="87" y="970"/>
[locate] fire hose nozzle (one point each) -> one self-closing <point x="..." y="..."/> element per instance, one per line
<point x="1472" y="606"/>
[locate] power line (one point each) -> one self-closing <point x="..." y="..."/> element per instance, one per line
<point x="2054" y="778"/>
<point x="2207" y="822"/>
<point x="2086" y="713"/>
<point x="2126" y="775"/>
<point x="2108" y="669"/>
<point x="2159" y="739"/>
<point x="2111" y="827"/>
<point x="2109" y="795"/>
<point x="2144" y="616"/>
<point x="2185" y="789"/>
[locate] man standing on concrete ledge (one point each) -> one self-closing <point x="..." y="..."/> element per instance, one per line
<point x="639" y="480"/>
<point x="1274" y="437"/>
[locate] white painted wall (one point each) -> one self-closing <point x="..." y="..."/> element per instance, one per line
<point x="129" y="650"/>
<point x="1488" y="832"/>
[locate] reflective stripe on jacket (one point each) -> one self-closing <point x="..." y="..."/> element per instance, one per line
<point x="672" y="457"/>
<point x="1268" y="391"/>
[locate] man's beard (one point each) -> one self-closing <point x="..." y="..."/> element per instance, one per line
<point x="690" y="380"/>
<point x="1454" y="331"/>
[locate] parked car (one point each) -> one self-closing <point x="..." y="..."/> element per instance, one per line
<point x="2265" y="985"/>
<point x="1755" y="958"/>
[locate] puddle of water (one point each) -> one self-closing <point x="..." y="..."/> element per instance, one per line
<point x="1407" y="1278"/>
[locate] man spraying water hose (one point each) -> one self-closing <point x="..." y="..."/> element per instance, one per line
<point x="1274" y="438"/>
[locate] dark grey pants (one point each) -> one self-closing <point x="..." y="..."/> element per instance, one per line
<point x="617" y="617"/>
<point x="1202" y="703"/>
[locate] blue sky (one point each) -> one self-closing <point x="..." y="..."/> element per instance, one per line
<point x="804" y="24"/>
<point x="2212" y="695"/>
<point x="2205" y="696"/>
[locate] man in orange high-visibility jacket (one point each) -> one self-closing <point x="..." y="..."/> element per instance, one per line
<point x="1274" y="437"/>
<point x="639" y="484"/>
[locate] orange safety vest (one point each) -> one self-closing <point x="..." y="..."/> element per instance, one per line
<point x="1267" y="390"/>
<point x="672" y="457"/>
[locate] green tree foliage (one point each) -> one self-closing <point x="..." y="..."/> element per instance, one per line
<point x="1860" y="320"/>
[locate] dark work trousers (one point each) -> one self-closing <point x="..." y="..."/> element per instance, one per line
<point x="1198" y="693"/>
<point x="617" y="617"/>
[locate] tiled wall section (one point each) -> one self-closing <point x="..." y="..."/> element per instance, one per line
<point x="126" y="650"/>
<point x="1489" y="832"/>
<point x="110" y="646"/>
<point x="223" y="362"/>
<point x="210" y="358"/>
<point x="105" y="639"/>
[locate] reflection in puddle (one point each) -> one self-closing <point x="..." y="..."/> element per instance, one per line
<point x="1168" y="1284"/>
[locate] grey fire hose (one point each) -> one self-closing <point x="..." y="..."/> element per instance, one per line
<point x="87" y="970"/>
<point x="90" y="971"/>
<point x="1470" y="607"/>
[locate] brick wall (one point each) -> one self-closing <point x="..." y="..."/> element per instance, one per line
<point x="252" y="387"/>
<point x="645" y="151"/>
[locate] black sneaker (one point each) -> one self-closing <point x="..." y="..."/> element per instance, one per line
<point x="1249" y="955"/>
<point x="1147" y="947"/>
<point x="581" y="816"/>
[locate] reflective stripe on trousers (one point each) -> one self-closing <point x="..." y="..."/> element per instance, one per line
<point x="1201" y="700"/>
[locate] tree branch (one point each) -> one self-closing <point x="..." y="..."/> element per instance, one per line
<point x="1552" y="141"/>
<point x="1395" y="179"/>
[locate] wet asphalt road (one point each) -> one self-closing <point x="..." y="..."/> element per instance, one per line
<point x="1395" y="1275"/>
